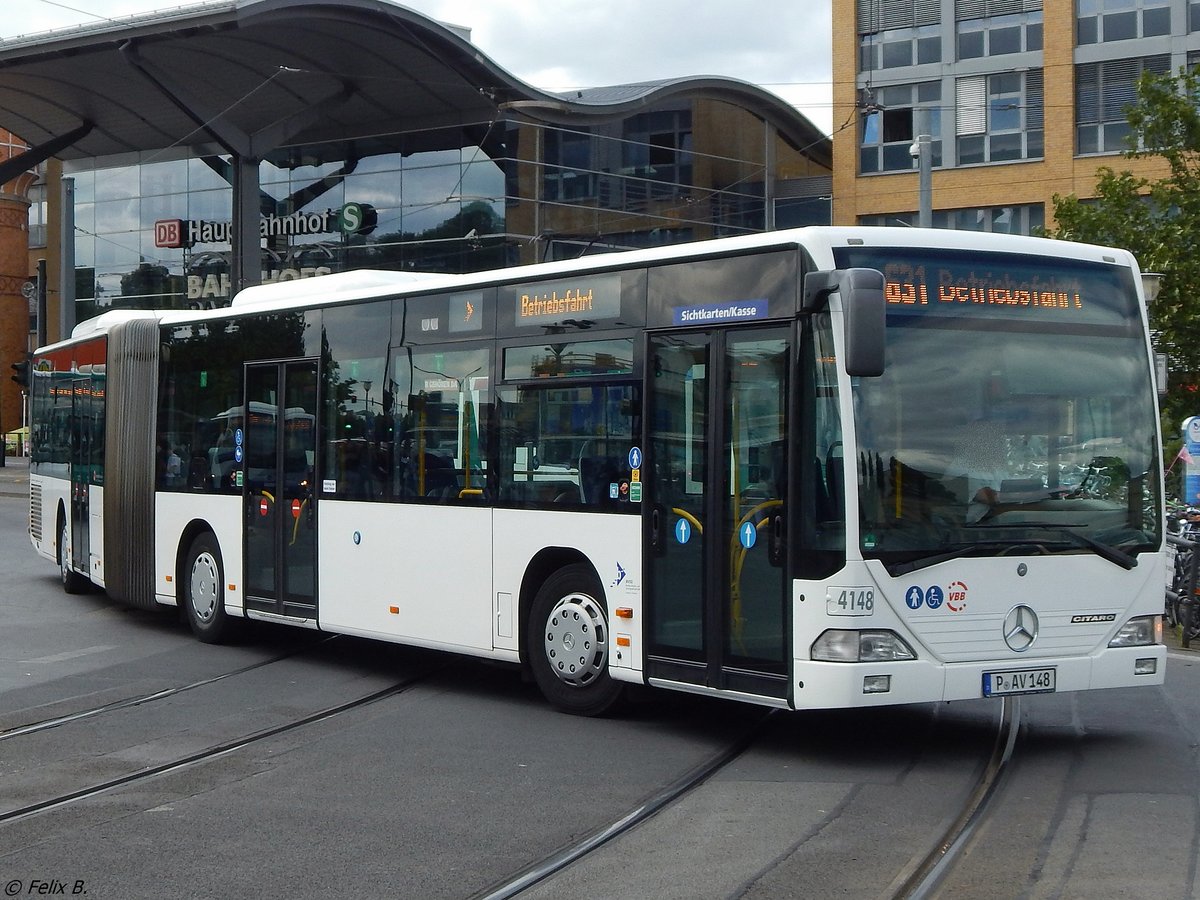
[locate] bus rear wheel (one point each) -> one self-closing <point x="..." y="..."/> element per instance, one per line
<point x="72" y="581"/>
<point x="567" y="643"/>
<point x="204" y="591"/>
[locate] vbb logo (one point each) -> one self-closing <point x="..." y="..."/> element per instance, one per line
<point x="956" y="596"/>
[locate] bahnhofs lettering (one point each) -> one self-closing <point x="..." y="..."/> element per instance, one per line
<point x="554" y="304"/>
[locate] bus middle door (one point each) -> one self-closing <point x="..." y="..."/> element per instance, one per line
<point x="715" y="488"/>
<point x="279" y="449"/>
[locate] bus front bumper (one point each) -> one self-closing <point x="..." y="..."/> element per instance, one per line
<point x="825" y="685"/>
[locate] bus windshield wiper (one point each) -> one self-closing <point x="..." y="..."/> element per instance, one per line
<point x="933" y="559"/>
<point x="1114" y="555"/>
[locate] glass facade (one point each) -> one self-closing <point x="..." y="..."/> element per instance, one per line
<point x="1017" y="219"/>
<point x="154" y="232"/>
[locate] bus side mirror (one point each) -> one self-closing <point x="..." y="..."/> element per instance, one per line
<point x="864" y="313"/>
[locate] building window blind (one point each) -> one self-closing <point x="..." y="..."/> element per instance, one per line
<point x="971" y="105"/>
<point x="881" y="15"/>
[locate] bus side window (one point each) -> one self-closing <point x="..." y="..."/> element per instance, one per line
<point x="566" y="446"/>
<point x="442" y="413"/>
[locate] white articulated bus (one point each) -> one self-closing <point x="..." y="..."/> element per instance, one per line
<point x="831" y="467"/>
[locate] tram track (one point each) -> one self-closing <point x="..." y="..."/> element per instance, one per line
<point x="939" y="862"/>
<point x="918" y="880"/>
<point x="152" y="696"/>
<point x="559" y="860"/>
<point x="210" y="753"/>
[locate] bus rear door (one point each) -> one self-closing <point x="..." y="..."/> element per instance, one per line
<point x="278" y="444"/>
<point x="715" y="486"/>
<point x="83" y="432"/>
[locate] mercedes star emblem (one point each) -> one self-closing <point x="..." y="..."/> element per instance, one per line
<point x="1020" y="628"/>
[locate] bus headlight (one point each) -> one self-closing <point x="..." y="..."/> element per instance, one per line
<point x="1139" y="632"/>
<point x="837" y="645"/>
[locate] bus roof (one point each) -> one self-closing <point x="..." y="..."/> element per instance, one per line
<point x="363" y="284"/>
<point x="820" y="241"/>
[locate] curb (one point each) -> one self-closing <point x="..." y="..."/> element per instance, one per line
<point x="1171" y="637"/>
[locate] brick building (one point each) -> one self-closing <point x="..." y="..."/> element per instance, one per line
<point x="1024" y="99"/>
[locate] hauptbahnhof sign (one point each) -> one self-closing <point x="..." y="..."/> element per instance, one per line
<point x="352" y="218"/>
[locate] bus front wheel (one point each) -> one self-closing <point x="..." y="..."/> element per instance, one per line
<point x="567" y="643"/>
<point x="204" y="591"/>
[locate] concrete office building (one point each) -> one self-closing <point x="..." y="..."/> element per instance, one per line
<point x="1024" y="100"/>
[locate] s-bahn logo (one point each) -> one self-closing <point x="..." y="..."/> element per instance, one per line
<point x="352" y="218"/>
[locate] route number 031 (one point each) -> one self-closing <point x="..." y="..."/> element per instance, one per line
<point x="850" y="601"/>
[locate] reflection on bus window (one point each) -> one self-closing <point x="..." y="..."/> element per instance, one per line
<point x="568" y="446"/>
<point x="438" y="416"/>
<point x="200" y="402"/>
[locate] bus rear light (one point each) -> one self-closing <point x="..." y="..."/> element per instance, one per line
<point x="877" y="684"/>
<point x="1140" y="632"/>
<point x="624" y="612"/>
<point x="839" y="645"/>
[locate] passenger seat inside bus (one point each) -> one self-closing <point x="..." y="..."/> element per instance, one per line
<point x="596" y="475"/>
<point x="441" y="478"/>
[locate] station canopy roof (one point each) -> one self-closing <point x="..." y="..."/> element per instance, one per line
<point x="255" y="76"/>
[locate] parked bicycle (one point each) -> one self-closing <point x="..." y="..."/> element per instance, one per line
<point x="1183" y="542"/>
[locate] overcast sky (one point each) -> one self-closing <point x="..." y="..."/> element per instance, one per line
<point x="561" y="44"/>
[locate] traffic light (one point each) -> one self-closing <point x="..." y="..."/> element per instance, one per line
<point x="21" y="372"/>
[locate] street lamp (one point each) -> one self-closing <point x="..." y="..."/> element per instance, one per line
<point x="921" y="151"/>
<point x="1151" y="285"/>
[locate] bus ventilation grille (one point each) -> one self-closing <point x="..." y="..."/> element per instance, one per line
<point x="35" y="511"/>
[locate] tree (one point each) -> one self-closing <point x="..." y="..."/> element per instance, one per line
<point x="1158" y="220"/>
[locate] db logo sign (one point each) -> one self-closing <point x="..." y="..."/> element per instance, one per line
<point x="168" y="233"/>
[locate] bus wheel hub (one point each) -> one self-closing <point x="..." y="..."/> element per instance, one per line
<point x="576" y="641"/>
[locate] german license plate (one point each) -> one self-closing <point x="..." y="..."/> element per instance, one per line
<point x="1020" y="681"/>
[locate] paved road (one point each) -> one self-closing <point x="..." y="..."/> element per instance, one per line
<point x="14" y="476"/>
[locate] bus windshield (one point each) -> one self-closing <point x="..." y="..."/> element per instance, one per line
<point x="1015" y="416"/>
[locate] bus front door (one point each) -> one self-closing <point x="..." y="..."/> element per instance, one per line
<point x="714" y="510"/>
<point x="279" y="447"/>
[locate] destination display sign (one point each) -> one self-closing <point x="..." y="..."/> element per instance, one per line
<point x="906" y="284"/>
<point x="580" y="301"/>
<point x="922" y="282"/>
